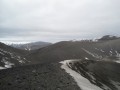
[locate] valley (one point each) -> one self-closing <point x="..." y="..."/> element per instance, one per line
<point x="66" y="65"/>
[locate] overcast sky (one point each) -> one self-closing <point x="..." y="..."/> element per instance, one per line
<point x="56" y="20"/>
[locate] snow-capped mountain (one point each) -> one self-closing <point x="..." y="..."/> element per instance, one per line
<point x="31" y="46"/>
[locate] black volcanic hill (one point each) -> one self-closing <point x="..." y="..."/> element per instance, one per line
<point x="77" y="50"/>
<point x="60" y="51"/>
<point x="11" y="57"/>
<point x="31" y="46"/>
<point x="108" y="37"/>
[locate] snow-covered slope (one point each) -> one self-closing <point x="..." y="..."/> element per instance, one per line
<point x="82" y="82"/>
<point x="94" y="75"/>
<point x="10" y="59"/>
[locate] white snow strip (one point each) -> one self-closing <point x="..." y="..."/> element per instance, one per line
<point x="88" y="52"/>
<point x="117" y="61"/>
<point x="102" y="50"/>
<point x="92" y="54"/>
<point x="20" y="61"/>
<point x="82" y="82"/>
<point x="118" y="55"/>
<point x="116" y="84"/>
<point x="105" y="87"/>
<point x="111" y="52"/>
<point x="2" y="68"/>
<point x="8" y="66"/>
<point x="7" y="63"/>
<point x="86" y="58"/>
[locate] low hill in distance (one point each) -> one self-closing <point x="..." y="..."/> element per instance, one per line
<point x="31" y="46"/>
<point x="108" y="37"/>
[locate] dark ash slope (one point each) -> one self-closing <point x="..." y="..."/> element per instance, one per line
<point x="37" y="77"/>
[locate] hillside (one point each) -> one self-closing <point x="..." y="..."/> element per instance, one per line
<point x="108" y="37"/>
<point x="94" y="75"/>
<point x="77" y="50"/>
<point x="37" y="77"/>
<point x="11" y="57"/>
<point x="66" y="65"/>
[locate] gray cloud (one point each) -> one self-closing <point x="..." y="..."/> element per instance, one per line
<point x="55" y="20"/>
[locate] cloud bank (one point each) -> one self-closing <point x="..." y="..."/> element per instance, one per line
<point x="56" y="20"/>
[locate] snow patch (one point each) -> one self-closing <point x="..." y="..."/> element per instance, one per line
<point x="7" y="63"/>
<point x="117" y="61"/>
<point x="2" y="68"/>
<point x="118" y="55"/>
<point x="92" y="54"/>
<point x="8" y="66"/>
<point x="86" y="58"/>
<point x="102" y="50"/>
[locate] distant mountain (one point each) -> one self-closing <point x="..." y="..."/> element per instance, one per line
<point x="14" y="57"/>
<point x="108" y="37"/>
<point x="31" y="46"/>
<point x="11" y="57"/>
<point x="65" y="50"/>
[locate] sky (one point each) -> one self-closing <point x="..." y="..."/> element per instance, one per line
<point x="58" y="20"/>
